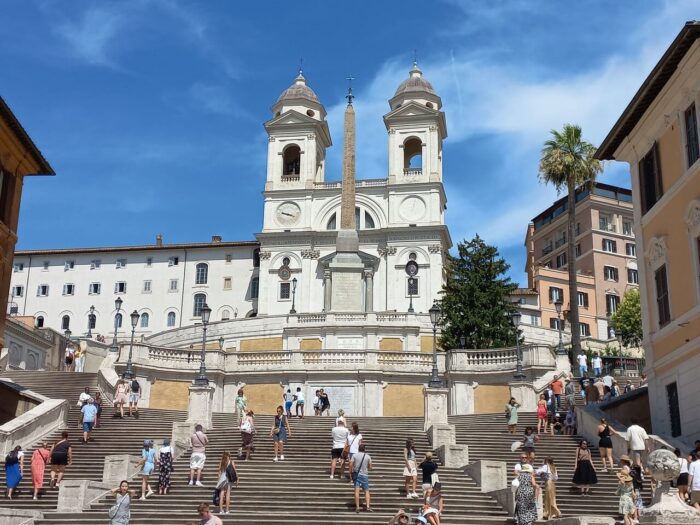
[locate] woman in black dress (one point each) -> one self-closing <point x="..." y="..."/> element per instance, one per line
<point x="584" y="471"/>
<point x="166" y="467"/>
<point x="605" y="444"/>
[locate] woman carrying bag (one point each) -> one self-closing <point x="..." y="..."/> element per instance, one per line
<point x="279" y="433"/>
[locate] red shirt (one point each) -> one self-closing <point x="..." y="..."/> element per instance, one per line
<point x="556" y="387"/>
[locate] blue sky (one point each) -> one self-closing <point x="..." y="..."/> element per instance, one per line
<point x="151" y="111"/>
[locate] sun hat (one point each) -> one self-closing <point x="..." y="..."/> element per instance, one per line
<point x="421" y="519"/>
<point x="527" y="468"/>
<point x="626" y="458"/>
<point x="624" y="477"/>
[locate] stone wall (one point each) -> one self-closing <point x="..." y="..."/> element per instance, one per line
<point x="13" y="403"/>
<point x="264" y="398"/>
<point x="172" y="395"/>
<point x="403" y="400"/>
<point x="394" y="344"/>
<point x="261" y="344"/>
<point x="313" y="343"/>
<point x="632" y="404"/>
<point x="489" y="399"/>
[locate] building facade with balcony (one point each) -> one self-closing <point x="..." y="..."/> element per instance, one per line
<point x="657" y="134"/>
<point x="606" y="261"/>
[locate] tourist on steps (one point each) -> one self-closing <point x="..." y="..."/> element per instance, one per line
<point x="360" y="465"/>
<point x="149" y="461"/>
<point x="165" y="460"/>
<point x="98" y="403"/>
<point x="512" y="415"/>
<point x="434" y="504"/>
<point x="120" y="512"/>
<point x="570" y="394"/>
<point x="299" y="400"/>
<point x="637" y="442"/>
<point x="529" y="440"/>
<point x="134" y="396"/>
<point x="626" y="504"/>
<point x="548" y="473"/>
<point x="339" y="436"/>
<point x="89" y="412"/>
<point x="682" y="480"/>
<point x="526" y="496"/>
<point x="694" y="480"/>
<point x="14" y="469"/>
<point x="241" y="405"/>
<point x="352" y="447"/>
<point x="247" y="435"/>
<point x="40" y="457"/>
<point x="206" y="517"/>
<point x="542" y="414"/>
<point x="279" y="433"/>
<point x="120" y="397"/>
<point x="288" y="402"/>
<point x="410" y="470"/>
<point x="199" y="444"/>
<point x="324" y="403"/>
<point x="61" y="455"/>
<point x="584" y="471"/>
<point x="228" y="476"/>
<point x="400" y="518"/>
<point x="429" y="468"/>
<point x="605" y="444"/>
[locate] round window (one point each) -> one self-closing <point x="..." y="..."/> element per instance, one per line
<point x="310" y="112"/>
<point x="412" y="256"/>
<point x="285" y="261"/>
<point x="429" y="105"/>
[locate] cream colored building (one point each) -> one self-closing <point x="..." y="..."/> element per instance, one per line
<point x="606" y="260"/>
<point x="657" y="134"/>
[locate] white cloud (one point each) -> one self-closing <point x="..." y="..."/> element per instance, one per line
<point x="89" y="36"/>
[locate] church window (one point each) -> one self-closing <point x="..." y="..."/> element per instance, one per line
<point x="200" y="300"/>
<point x="39" y="323"/>
<point x="291" y="163"/>
<point x="118" y="320"/>
<point x="369" y="221"/>
<point x="285" y="261"/>
<point x="171" y="319"/>
<point x="256" y="258"/>
<point x="285" y="291"/>
<point x="144" y="320"/>
<point x="225" y="315"/>
<point x="412" y="286"/>
<point x="429" y="105"/>
<point x="310" y="112"/>
<point x="332" y="223"/>
<point x="412" y="256"/>
<point x="413" y="155"/>
<point x="202" y="273"/>
<point x="254" y="287"/>
<point x="65" y="322"/>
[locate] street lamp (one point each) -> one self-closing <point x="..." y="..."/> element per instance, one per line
<point x="462" y="341"/>
<point x="129" y="374"/>
<point x="294" y="294"/>
<point x="118" y="305"/>
<point x="68" y="333"/>
<point x="434" y="312"/>
<point x="558" y="304"/>
<point x="515" y="319"/>
<point x="201" y="378"/>
<point x="91" y="321"/>
<point x="411" y="284"/>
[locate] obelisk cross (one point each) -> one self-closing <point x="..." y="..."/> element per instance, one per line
<point x="347" y="197"/>
<point x="350" y="96"/>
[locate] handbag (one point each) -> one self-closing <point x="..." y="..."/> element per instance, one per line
<point x="112" y="512"/>
<point x="279" y="428"/>
<point x="346" y="448"/>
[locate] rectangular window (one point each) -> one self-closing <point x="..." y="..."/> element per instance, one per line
<point x="68" y="265"/>
<point x="627" y="227"/>
<point x="632" y="276"/>
<point x="674" y="409"/>
<point x="650" y="186"/>
<point x="555" y="293"/>
<point x="173" y="285"/>
<point x="254" y="287"/>
<point x="46" y="265"/>
<point x="18" y="267"/>
<point x="121" y="263"/>
<point x="95" y="264"/>
<point x="609" y="246"/>
<point x="42" y="290"/>
<point x="285" y="291"/>
<point x="147" y="287"/>
<point x="584" y="329"/>
<point x="631" y="249"/>
<point x="228" y="258"/>
<point x="605" y="223"/>
<point x="173" y="261"/>
<point x="120" y="287"/>
<point x="412" y="286"/>
<point x="577" y="250"/>
<point x="555" y="323"/>
<point x="578" y="229"/>
<point x="149" y="262"/>
<point x="561" y="260"/>
<point x="611" y="273"/>
<point x="227" y="283"/>
<point x="68" y="289"/>
<point x="535" y="320"/>
<point x="18" y="291"/>
<point x="582" y="299"/>
<point x="662" y="303"/>
<point x="94" y="289"/>
<point x="691" y="136"/>
<point x="611" y="303"/>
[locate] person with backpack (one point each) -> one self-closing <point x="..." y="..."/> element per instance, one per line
<point x="134" y="396"/>
<point x="228" y="476"/>
<point x="247" y="435"/>
<point x="279" y="433"/>
<point x="14" y="469"/>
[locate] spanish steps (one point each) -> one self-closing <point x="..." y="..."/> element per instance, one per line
<point x="297" y="490"/>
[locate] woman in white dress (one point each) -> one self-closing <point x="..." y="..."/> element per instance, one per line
<point x="410" y="471"/>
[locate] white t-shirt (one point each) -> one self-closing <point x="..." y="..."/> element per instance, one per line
<point x="684" y="465"/>
<point x="597" y="362"/>
<point x="582" y="361"/>
<point x="340" y="436"/>
<point x="636" y="436"/>
<point x="354" y="442"/>
<point x="300" y="396"/>
<point x="608" y="380"/>
<point x="694" y="470"/>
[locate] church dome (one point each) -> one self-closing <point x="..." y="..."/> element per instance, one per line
<point x="415" y="83"/>
<point x="299" y="90"/>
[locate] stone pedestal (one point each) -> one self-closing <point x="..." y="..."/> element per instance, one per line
<point x="667" y="507"/>
<point x="119" y="467"/>
<point x="182" y="434"/>
<point x="346" y="274"/>
<point x="200" y="405"/>
<point x="462" y="397"/>
<point x="435" y="404"/>
<point x="76" y="495"/>
<point x="525" y="395"/>
<point x="453" y="455"/>
<point x="563" y="364"/>
<point x="9" y="516"/>
<point x="489" y="475"/>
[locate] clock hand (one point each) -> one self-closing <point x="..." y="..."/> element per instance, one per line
<point x="287" y="214"/>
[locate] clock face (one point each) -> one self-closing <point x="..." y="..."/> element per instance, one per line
<point x="412" y="208"/>
<point x="411" y="268"/>
<point x="288" y="213"/>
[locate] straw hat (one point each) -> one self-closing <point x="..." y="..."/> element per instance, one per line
<point x="527" y="468"/>
<point x="624" y="477"/>
<point x="626" y="458"/>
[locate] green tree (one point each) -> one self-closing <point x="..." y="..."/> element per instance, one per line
<point x="627" y="320"/>
<point x="567" y="162"/>
<point x="475" y="298"/>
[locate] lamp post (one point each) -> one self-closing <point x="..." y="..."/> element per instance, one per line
<point x="411" y="284"/>
<point x="623" y="365"/>
<point x="201" y="378"/>
<point x="293" y="310"/>
<point x="67" y="333"/>
<point x="91" y="321"/>
<point x="129" y="374"/>
<point x="558" y="304"/>
<point x="462" y="341"/>
<point x="515" y="319"/>
<point x="434" y="312"/>
<point x="118" y="305"/>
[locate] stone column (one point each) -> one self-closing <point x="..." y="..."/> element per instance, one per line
<point x="118" y="467"/>
<point x="369" y="291"/>
<point x="200" y="405"/>
<point x="525" y="395"/>
<point x="327" y="290"/>
<point x="435" y="403"/>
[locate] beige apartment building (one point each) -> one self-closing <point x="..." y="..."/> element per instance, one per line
<point x="657" y="134"/>
<point x="606" y="261"/>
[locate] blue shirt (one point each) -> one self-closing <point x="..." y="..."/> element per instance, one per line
<point x="89" y="412"/>
<point x="149" y="455"/>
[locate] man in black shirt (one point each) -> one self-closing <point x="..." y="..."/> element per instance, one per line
<point x="428" y="466"/>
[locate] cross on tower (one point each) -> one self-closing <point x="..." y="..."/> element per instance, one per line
<point x="350" y="96"/>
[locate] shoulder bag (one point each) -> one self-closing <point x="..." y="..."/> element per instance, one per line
<point x="115" y="508"/>
<point x="356" y="472"/>
<point x="346" y="448"/>
<point x="278" y="429"/>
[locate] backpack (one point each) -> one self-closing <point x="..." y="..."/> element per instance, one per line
<point x="135" y="387"/>
<point x="11" y="458"/>
<point x="231" y="473"/>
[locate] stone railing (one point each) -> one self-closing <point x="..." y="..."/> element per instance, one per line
<point x="338" y="358"/>
<point x="412" y="172"/>
<point x="261" y="360"/>
<point x="350" y="318"/>
<point x="392" y="318"/>
<point x="362" y="183"/>
<point x="311" y="318"/>
<point x="500" y="359"/>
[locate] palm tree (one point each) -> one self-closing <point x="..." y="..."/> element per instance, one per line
<point x="567" y="162"/>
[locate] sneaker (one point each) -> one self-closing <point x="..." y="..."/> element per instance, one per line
<point x="275" y="459"/>
<point x="143" y="498"/>
<point x="282" y="457"/>
<point x="190" y="482"/>
<point x="199" y="484"/>
<point x="331" y="477"/>
<point x="409" y="496"/>
<point x="414" y="495"/>
<point x="149" y="494"/>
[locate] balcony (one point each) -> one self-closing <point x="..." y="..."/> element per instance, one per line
<point x="560" y="242"/>
<point x="291" y="178"/>
<point x="547" y="249"/>
<point x="412" y="172"/>
<point x="607" y="227"/>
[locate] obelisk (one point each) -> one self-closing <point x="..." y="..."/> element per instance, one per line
<point x="346" y="266"/>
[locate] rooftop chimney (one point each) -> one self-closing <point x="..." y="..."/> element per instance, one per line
<point x="216" y="238"/>
<point x="159" y="239"/>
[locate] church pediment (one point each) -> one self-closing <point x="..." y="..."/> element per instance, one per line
<point x="298" y="120"/>
<point x="413" y="111"/>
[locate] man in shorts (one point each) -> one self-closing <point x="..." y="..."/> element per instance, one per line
<point x="360" y="465"/>
<point x="637" y="442"/>
<point x="694" y="480"/>
<point x="199" y="443"/>
<point x="299" y="399"/>
<point x="582" y="363"/>
<point x="340" y="437"/>
<point x="89" y="412"/>
<point x="134" y="397"/>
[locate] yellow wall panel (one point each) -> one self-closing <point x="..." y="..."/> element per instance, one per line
<point x="391" y="344"/>
<point x="263" y="398"/>
<point x="403" y="400"/>
<point x="261" y="344"/>
<point x="489" y="399"/>
<point x="426" y="343"/>
<point x="172" y="395"/>
<point x="310" y="344"/>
